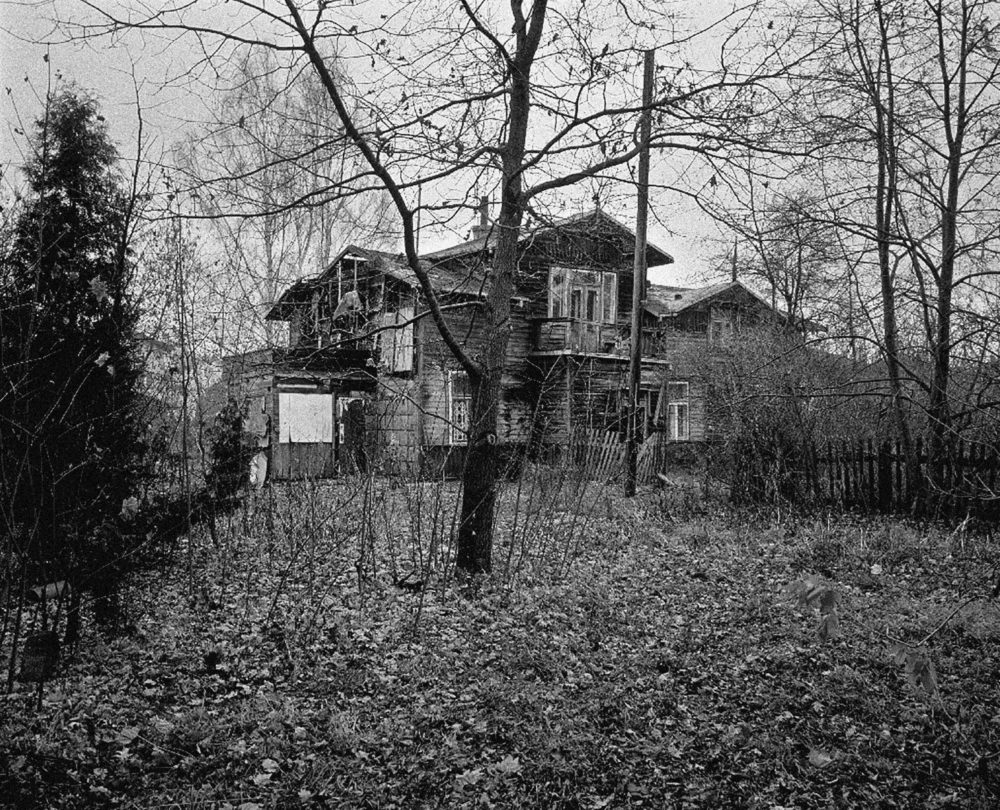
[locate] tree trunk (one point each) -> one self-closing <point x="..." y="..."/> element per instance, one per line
<point x="956" y="117"/>
<point x="480" y="475"/>
<point x="480" y="478"/>
<point x="885" y="197"/>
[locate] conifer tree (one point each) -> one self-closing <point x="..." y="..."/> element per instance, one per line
<point x="69" y="446"/>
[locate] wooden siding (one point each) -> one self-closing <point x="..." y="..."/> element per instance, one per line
<point x="585" y="393"/>
<point x="436" y="362"/>
<point x="396" y="422"/>
<point x="301" y="461"/>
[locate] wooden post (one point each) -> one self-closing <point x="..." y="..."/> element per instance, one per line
<point x="639" y="279"/>
<point x="873" y="488"/>
<point x="830" y="473"/>
<point x="899" y="498"/>
<point x="884" y="479"/>
<point x="845" y="471"/>
<point x="956" y="490"/>
<point x="993" y="461"/>
<point x="914" y="489"/>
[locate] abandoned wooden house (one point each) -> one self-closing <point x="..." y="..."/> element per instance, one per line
<point x="365" y="378"/>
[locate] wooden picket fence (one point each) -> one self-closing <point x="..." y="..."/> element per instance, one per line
<point x="875" y="478"/>
<point x="600" y="454"/>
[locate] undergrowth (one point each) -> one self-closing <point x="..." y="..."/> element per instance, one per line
<point x="626" y="653"/>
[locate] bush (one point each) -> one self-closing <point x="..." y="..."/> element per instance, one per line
<point x="231" y="450"/>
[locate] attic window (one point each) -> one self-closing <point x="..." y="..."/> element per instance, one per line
<point x="678" y="296"/>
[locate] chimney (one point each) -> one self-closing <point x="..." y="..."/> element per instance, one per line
<point x="481" y="230"/>
<point x="735" y="270"/>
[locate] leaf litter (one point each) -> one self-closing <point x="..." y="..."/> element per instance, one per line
<point x="673" y="663"/>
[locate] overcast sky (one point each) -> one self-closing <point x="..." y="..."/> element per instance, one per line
<point x="119" y="71"/>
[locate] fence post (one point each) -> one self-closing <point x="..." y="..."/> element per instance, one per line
<point x="914" y="488"/>
<point x="845" y="469"/>
<point x="831" y="494"/>
<point x="956" y="487"/>
<point x="993" y="461"/>
<point x="899" y="495"/>
<point x="884" y="479"/>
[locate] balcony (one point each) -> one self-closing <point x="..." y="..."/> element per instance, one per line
<point x="337" y="352"/>
<point x="582" y="337"/>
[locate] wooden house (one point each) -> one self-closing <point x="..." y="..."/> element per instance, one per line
<point x="365" y="378"/>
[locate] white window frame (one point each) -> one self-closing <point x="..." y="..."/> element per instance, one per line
<point x="678" y="411"/>
<point x="560" y="300"/>
<point x="458" y="422"/>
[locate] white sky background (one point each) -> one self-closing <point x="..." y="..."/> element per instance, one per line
<point x="160" y="73"/>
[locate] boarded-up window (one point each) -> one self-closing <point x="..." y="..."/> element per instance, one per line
<point x="678" y="410"/>
<point x="459" y="406"/>
<point x="305" y="418"/>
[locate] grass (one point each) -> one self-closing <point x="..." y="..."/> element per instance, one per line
<point x="625" y="654"/>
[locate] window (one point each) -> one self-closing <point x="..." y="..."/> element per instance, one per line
<point x="590" y="296"/>
<point x="609" y="297"/>
<point x="557" y="294"/>
<point x="649" y="404"/>
<point x="459" y="406"/>
<point x="720" y="328"/>
<point x="677" y="410"/>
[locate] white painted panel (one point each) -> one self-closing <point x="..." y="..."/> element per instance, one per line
<point x="305" y="417"/>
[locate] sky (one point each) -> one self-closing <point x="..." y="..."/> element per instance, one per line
<point x="34" y="54"/>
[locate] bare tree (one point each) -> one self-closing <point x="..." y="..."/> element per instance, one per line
<point x="914" y="90"/>
<point x="269" y="173"/>
<point x="785" y="244"/>
<point x="522" y="102"/>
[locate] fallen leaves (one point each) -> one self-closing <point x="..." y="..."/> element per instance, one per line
<point x="655" y="669"/>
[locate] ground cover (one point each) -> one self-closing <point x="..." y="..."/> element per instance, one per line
<point x="626" y="654"/>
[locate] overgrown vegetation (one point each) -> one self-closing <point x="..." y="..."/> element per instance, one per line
<point x="642" y="656"/>
<point x="230" y="452"/>
<point x="71" y="446"/>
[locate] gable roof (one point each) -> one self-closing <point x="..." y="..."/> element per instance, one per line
<point x="443" y="279"/>
<point x="664" y="301"/>
<point x="584" y="222"/>
<point x="447" y="277"/>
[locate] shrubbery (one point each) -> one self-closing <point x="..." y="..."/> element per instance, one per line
<point x="71" y="450"/>
<point x="231" y="451"/>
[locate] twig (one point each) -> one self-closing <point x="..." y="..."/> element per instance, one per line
<point x="947" y="619"/>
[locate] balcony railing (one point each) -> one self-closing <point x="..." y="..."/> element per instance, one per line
<point x="574" y="335"/>
<point x="330" y="352"/>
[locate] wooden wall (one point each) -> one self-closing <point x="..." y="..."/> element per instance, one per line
<point x="396" y="421"/>
<point x="435" y="361"/>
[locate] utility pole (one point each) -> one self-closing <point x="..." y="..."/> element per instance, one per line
<point x="639" y="281"/>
